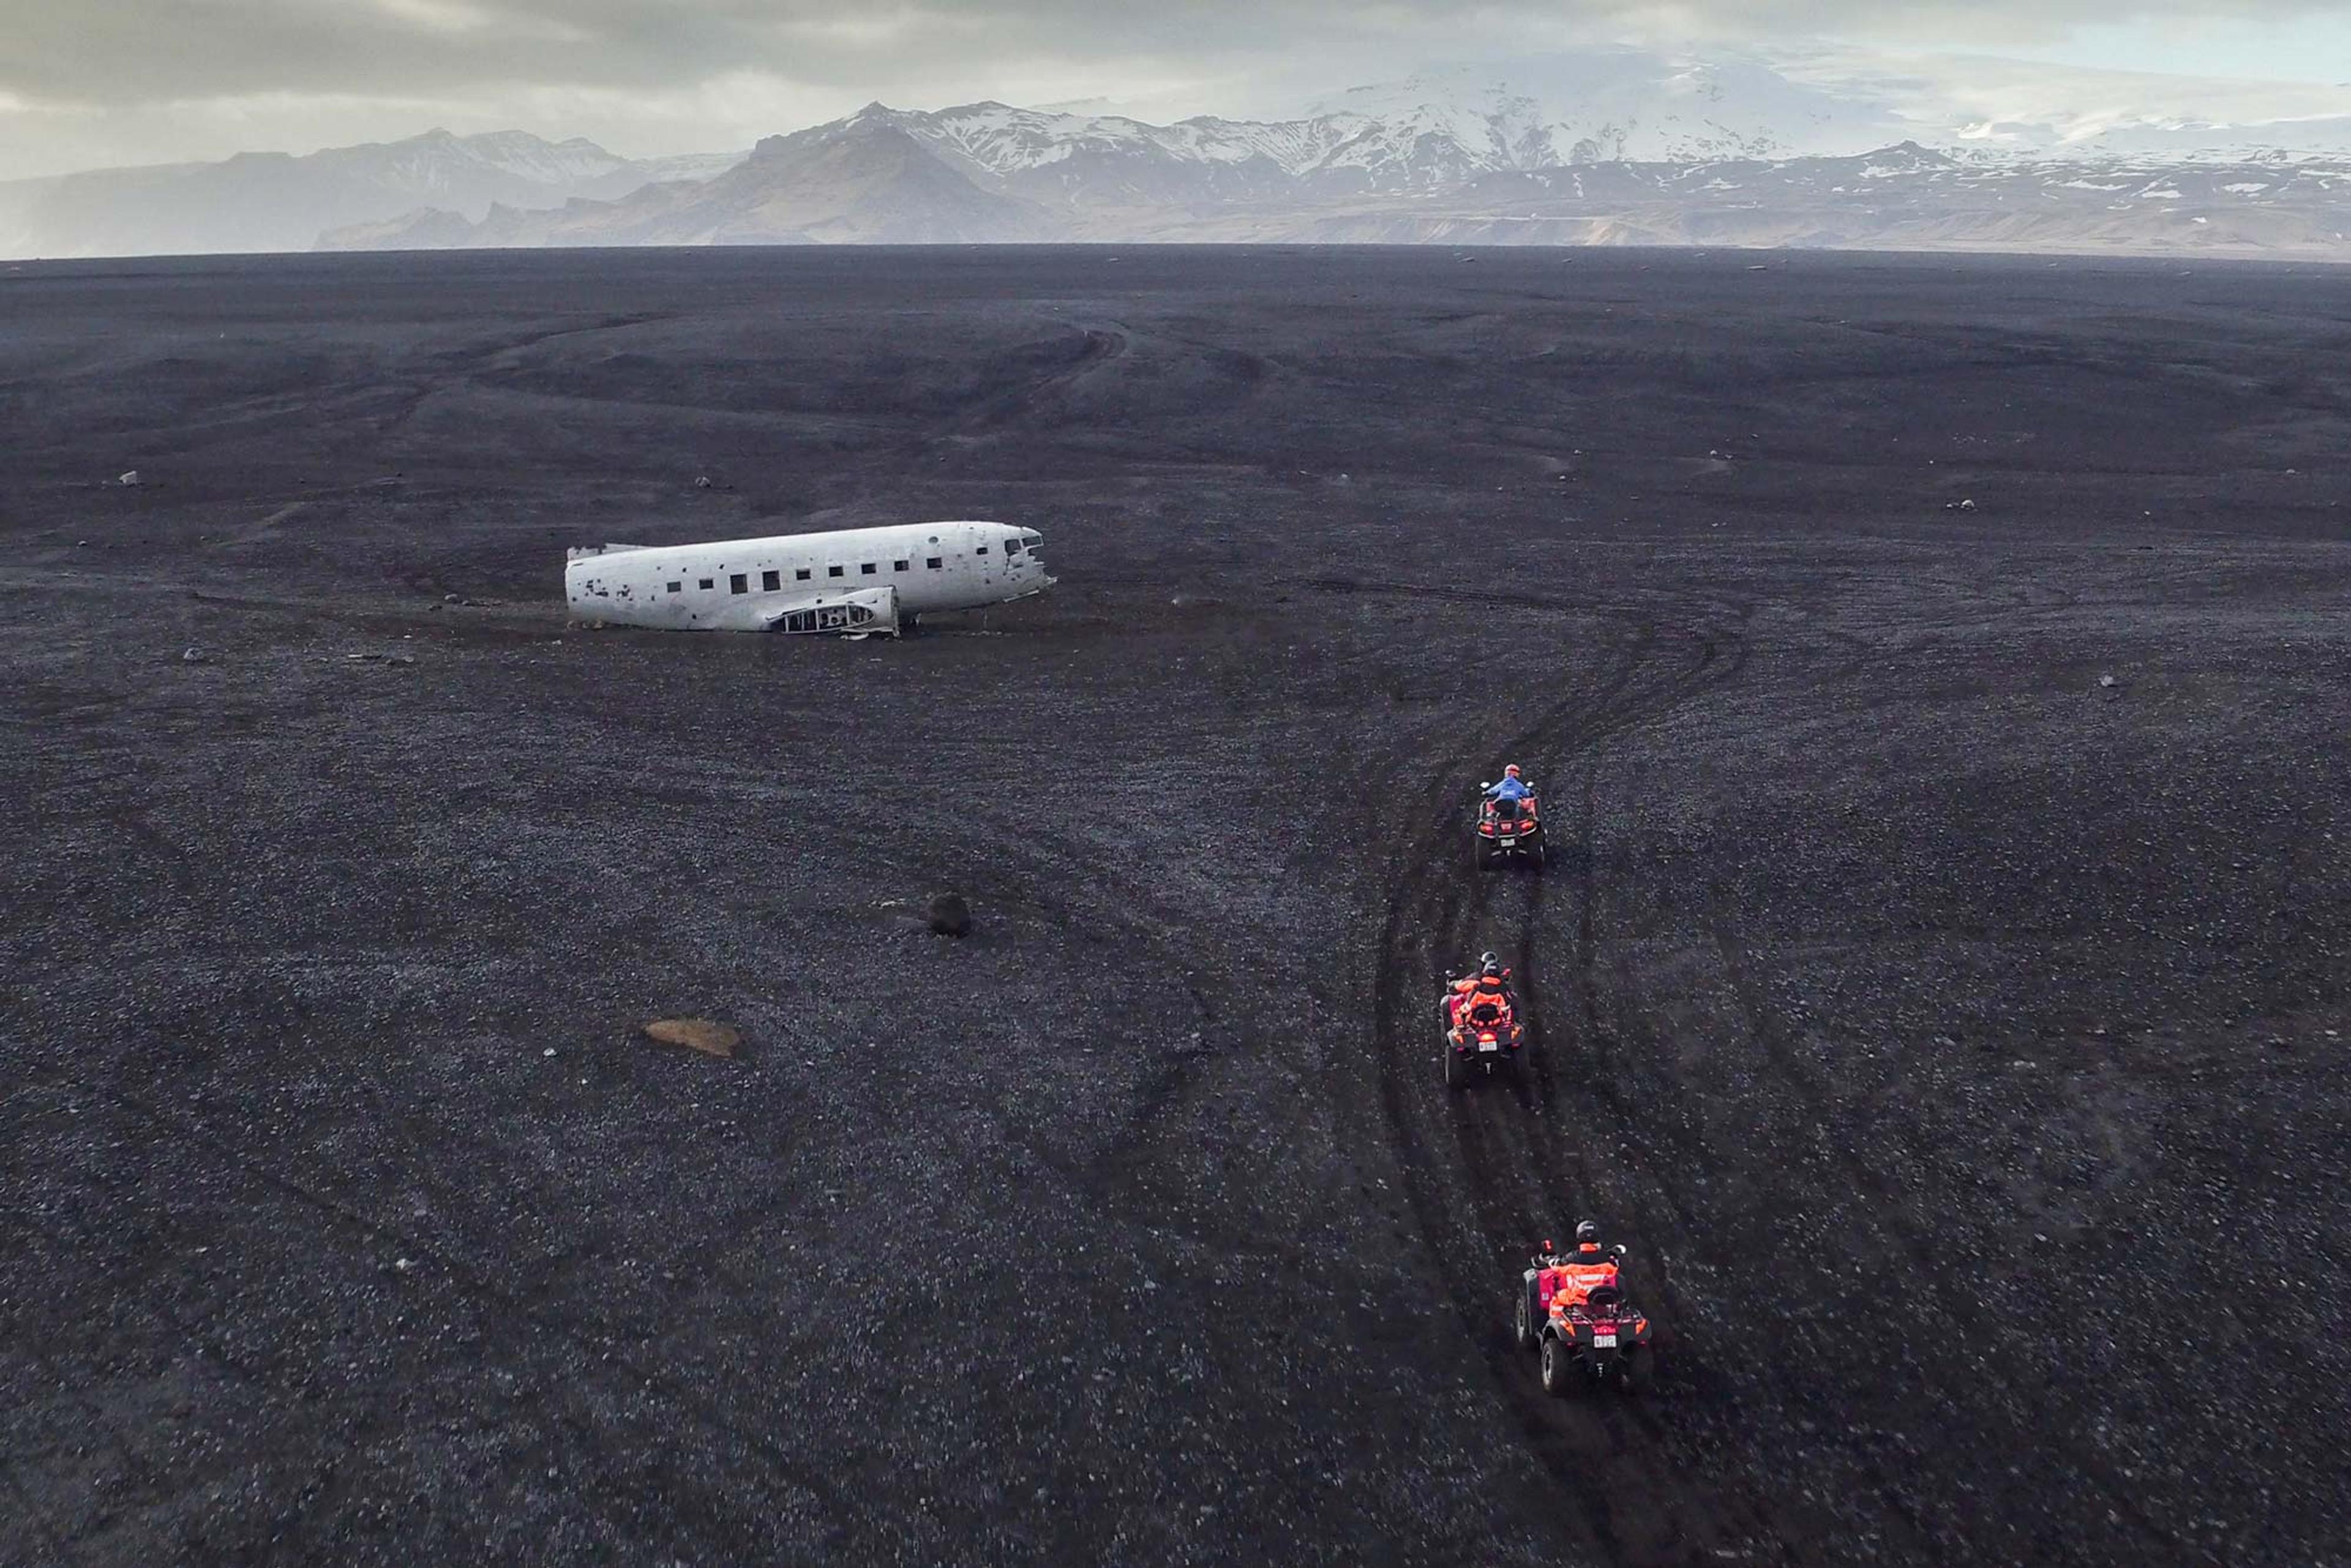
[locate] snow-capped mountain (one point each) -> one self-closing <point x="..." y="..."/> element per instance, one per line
<point x="1007" y="142"/>
<point x="1461" y="122"/>
<point x="1991" y="105"/>
<point x="1444" y="153"/>
<point x="271" y="200"/>
<point x="986" y="173"/>
<point x="1108" y="160"/>
<point x="1606" y="105"/>
<point x="860" y="181"/>
<point x="1620" y="104"/>
<point x="1443" y="126"/>
<point x="1614" y="104"/>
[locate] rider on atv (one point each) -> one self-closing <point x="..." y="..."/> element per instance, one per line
<point x="1490" y="985"/>
<point x="1571" y="1310"/>
<point x="1511" y="788"/>
<point x="1509" y="820"/>
<point x="1577" y="1273"/>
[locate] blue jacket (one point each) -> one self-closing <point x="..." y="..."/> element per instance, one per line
<point x="1509" y="789"/>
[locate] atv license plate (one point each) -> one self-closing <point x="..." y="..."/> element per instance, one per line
<point x="1508" y="843"/>
<point x="1604" y="1341"/>
<point x="1488" y="1045"/>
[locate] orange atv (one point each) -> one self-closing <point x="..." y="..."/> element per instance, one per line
<point x="1575" y="1316"/>
<point x="1481" y="1029"/>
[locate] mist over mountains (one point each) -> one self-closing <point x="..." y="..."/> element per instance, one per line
<point x="1615" y="145"/>
<point x="273" y="201"/>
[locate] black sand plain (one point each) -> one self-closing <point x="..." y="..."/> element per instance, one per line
<point x="1955" y="1039"/>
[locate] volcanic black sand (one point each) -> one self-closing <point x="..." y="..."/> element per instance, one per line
<point x="1951" y="1035"/>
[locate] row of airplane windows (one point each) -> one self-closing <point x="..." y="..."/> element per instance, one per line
<point x="769" y="581"/>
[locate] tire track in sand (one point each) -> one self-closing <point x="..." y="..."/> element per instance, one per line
<point x="1485" y="1175"/>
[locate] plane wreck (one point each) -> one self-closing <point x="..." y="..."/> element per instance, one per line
<point x="854" y="581"/>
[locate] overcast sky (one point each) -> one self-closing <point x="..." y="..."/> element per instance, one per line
<point x="85" y="83"/>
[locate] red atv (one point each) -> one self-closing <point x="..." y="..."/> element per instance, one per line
<point x="1482" y="1029"/>
<point x="1575" y="1316"/>
<point x="1507" y="828"/>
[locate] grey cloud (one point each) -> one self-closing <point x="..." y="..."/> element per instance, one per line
<point x="138" y="50"/>
<point x="141" y="51"/>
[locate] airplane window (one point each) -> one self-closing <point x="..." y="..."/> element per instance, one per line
<point x="801" y="575"/>
<point x="933" y="563"/>
<point x="706" y="583"/>
<point x="740" y="583"/>
<point x="981" y="550"/>
<point x="769" y="581"/>
<point x="900" y="565"/>
<point x="832" y="572"/>
<point x="1011" y="546"/>
<point x="677" y="588"/>
<point x="867" y="570"/>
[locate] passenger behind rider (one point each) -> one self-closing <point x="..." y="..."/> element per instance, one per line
<point x="1511" y="787"/>
<point x="1489" y="984"/>
<point x="1576" y="1273"/>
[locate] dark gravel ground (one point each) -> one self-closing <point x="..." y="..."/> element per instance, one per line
<point x="1955" y="1039"/>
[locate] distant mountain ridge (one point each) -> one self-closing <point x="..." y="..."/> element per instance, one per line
<point x="1607" y="144"/>
<point x="864" y="181"/>
<point x="275" y="201"/>
<point x="986" y="173"/>
<point x="1899" y="198"/>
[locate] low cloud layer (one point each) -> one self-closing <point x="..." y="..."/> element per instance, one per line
<point x="139" y="51"/>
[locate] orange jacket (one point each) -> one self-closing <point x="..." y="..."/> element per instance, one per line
<point x="1570" y="1283"/>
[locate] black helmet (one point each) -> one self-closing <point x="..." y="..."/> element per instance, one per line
<point x="1587" y="1234"/>
<point x="1490" y="969"/>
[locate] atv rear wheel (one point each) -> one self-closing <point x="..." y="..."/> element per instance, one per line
<point x="1640" y="1368"/>
<point x="1558" y="1372"/>
<point x="1525" y="1325"/>
<point x="1455" y="1077"/>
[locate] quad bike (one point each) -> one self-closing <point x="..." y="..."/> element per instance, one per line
<point x="1482" y="1031"/>
<point x="1509" y="828"/>
<point x="1574" y="1317"/>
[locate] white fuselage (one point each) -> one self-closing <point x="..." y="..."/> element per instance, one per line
<point x="769" y="584"/>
